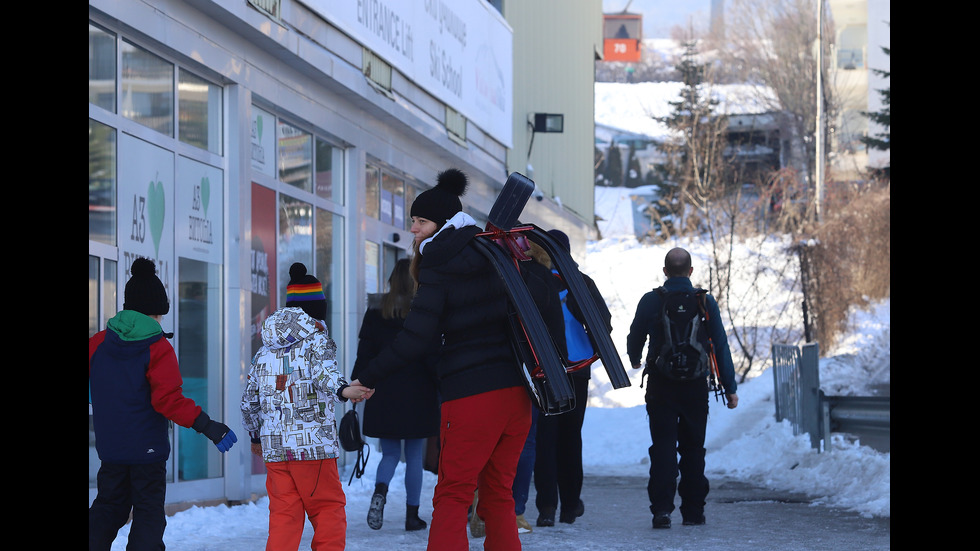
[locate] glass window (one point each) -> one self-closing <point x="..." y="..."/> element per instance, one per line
<point x="295" y="156"/>
<point x="101" y="68"/>
<point x="410" y="193"/>
<point x="101" y="183"/>
<point x="101" y="285"/>
<point x="329" y="269"/>
<point x="199" y="112"/>
<point x="392" y="200"/>
<point x="263" y="142"/>
<point x="372" y="187"/>
<point x="147" y="89"/>
<point x="199" y="333"/>
<point x="372" y="267"/>
<point x="108" y="291"/>
<point x="329" y="171"/>
<point x="295" y="239"/>
<point x="93" y="295"/>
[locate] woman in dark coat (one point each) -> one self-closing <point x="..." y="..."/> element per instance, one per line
<point x="486" y="411"/>
<point x="405" y="407"/>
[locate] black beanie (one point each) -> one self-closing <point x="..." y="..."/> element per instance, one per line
<point x="441" y="202"/>
<point x="306" y="292"/>
<point x="561" y="238"/>
<point x="145" y="292"/>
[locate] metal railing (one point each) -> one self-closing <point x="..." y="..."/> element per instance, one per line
<point x="798" y="398"/>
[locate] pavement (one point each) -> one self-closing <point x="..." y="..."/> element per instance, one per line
<point x="739" y="516"/>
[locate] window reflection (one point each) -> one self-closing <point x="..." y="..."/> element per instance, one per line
<point x="295" y="156"/>
<point x="372" y="191"/>
<point x="147" y="89"/>
<point x="329" y="171"/>
<point x="199" y="112"/>
<point x="101" y="183"/>
<point x="295" y="239"/>
<point x="101" y="68"/>
<point x="199" y="356"/>
<point x="329" y="256"/>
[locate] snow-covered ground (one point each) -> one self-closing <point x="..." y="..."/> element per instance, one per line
<point x="745" y="443"/>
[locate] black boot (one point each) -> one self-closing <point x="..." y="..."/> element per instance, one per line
<point x="376" y="512"/>
<point x="412" y="520"/>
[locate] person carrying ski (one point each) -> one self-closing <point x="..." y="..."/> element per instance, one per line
<point x="677" y="409"/>
<point x="486" y="410"/>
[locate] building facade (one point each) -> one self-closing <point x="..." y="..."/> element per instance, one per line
<point x="231" y="138"/>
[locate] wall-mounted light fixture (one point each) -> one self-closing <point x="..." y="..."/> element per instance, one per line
<point x="549" y="122"/>
<point x="544" y="122"/>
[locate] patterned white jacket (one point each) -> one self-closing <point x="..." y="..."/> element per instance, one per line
<point x="289" y="397"/>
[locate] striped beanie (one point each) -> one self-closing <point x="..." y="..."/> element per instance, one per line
<point x="305" y="292"/>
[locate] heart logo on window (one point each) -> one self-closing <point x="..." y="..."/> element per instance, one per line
<point x="156" y="204"/>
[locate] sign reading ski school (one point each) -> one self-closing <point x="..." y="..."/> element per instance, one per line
<point x="460" y="51"/>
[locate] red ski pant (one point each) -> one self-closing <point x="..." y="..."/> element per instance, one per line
<point x="481" y="437"/>
<point x="305" y="488"/>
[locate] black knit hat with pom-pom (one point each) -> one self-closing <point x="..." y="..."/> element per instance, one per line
<point x="306" y="292"/>
<point x="145" y="292"/>
<point x="441" y="202"/>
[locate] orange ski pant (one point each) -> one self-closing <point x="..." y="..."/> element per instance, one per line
<point x="305" y="488"/>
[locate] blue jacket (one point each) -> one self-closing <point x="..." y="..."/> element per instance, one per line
<point x="135" y="387"/>
<point x="646" y="322"/>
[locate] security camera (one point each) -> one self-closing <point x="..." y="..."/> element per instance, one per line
<point x="538" y="195"/>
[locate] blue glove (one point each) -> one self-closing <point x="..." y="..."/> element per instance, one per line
<point x="219" y="433"/>
<point x="227" y="442"/>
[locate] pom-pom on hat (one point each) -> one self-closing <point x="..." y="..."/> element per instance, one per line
<point x="306" y="292"/>
<point x="144" y="291"/>
<point x="441" y="202"/>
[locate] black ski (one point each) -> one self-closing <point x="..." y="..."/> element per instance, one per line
<point x="534" y="348"/>
<point x="594" y="323"/>
<point x="541" y="365"/>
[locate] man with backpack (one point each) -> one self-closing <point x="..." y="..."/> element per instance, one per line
<point x="688" y="347"/>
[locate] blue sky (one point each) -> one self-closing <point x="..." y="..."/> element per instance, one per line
<point x="660" y="15"/>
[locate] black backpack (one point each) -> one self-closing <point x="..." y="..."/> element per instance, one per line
<point x="349" y="434"/>
<point x="684" y="352"/>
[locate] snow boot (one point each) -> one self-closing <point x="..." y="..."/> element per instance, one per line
<point x="546" y="516"/>
<point x="412" y="520"/>
<point x="376" y="512"/>
<point x="569" y="517"/>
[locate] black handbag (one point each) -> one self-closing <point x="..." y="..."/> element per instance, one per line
<point x="351" y="440"/>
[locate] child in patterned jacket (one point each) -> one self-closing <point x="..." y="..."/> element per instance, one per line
<point x="288" y="409"/>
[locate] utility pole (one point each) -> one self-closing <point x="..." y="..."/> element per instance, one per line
<point x="820" y="130"/>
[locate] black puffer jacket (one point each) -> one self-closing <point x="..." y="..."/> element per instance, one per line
<point x="406" y="404"/>
<point x="460" y="297"/>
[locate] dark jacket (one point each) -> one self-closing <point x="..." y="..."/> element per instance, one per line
<point x="135" y="386"/>
<point x="545" y="288"/>
<point x="406" y="404"/>
<point x="647" y="322"/>
<point x="461" y="297"/>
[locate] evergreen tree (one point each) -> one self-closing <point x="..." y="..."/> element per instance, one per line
<point x="882" y="140"/>
<point x="694" y="155"/>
